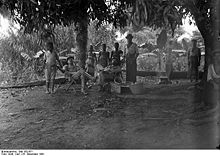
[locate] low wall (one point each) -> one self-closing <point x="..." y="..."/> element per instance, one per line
<point x="174" y="76"/>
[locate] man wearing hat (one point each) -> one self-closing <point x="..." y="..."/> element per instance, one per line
<point x="131" y="52"/>
<point x="194" y="57"/>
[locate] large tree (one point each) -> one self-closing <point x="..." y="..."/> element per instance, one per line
<point x="43" y="15"/>
<point x="33" y="15"/>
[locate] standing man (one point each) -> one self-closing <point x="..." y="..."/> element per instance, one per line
<point x="194" y="57"/>
<point x="116" y="55"/>
<point x="103" y="57"/>
<point x="91" y="53"/>
<point x="131" y="52"/>
<point x="51" y="58"/>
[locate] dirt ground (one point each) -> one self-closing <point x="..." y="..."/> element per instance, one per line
<point x="164" y="117"/>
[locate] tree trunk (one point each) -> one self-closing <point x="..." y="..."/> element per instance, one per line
<point x="81" y="39"/>
<point x="209" y="34"/>
<point x="81" y="44"/>
<point x="208" y="41"/>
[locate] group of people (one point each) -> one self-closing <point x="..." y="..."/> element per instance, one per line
<point x="108" y="65"/>
<point x="103" y="67"/>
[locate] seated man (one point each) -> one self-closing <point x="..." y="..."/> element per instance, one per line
<point x="70" y="69"/>
<point x="108" y="74"/>
<point x="73" y="72"/>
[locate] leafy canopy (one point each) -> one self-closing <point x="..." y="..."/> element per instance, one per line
<point x="33" y="15"/>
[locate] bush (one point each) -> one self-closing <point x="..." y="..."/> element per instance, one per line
<point x="147" y="63"/>
<point x="17" y="51"/>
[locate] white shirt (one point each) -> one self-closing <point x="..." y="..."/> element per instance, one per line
<point x="133" y="49"/>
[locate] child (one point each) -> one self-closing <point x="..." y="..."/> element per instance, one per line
<point x="92" y="54"/>
<point x="90" y="65"/>
<point x="103" y="59"/>
<point x="50" y="57"/>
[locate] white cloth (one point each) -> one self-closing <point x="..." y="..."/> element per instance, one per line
<point x="133" y="49"/>
<point x="50" y="58"/>
<point x="211" y="73"/>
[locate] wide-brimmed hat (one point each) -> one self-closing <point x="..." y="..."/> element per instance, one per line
<point x="129" y="36"/>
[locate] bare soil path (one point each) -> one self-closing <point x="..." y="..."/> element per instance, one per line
<point x="164" y="117"/>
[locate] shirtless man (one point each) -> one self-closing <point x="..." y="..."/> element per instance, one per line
<point x="51" y="58"/>
<point x="103" y="58"/>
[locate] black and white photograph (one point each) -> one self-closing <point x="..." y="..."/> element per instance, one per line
<point x="109" y="75"/>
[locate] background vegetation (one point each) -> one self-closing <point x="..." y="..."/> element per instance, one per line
<point x="17" y="50"/>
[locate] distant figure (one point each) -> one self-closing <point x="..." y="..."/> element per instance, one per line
<point x="103" y="59"/>
<point x="169" y="60"/>
<point x="194" y="57"/>
<point x="50" y="57"/>
<point x="131" y="52"/>
<point x="116" y="55"/>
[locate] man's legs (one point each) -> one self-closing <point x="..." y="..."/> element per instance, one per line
<point x="101" y="80"/>
<point x="47" y="87"/>
<point x="82" y="76"/>
<point x="168" y="71"/>
<point x="47" y="77"/>
<point x="53" y="76"/>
